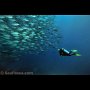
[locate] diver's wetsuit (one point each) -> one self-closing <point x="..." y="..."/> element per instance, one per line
<point x="64" y="52"/>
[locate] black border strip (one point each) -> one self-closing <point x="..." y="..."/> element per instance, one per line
<point x="57" y="7"/>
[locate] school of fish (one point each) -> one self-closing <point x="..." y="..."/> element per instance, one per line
<point x="27" y="34"/>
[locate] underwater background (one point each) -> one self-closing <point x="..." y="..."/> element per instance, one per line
<point x="75" y="34"/>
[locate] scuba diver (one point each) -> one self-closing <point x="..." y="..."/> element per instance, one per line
<point x="64" y="52"/>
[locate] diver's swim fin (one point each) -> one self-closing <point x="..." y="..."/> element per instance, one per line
<point x="74" y="51"/>
<point x="77" y="55"/>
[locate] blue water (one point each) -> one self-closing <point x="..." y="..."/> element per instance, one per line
<point x="75" y="30"/>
